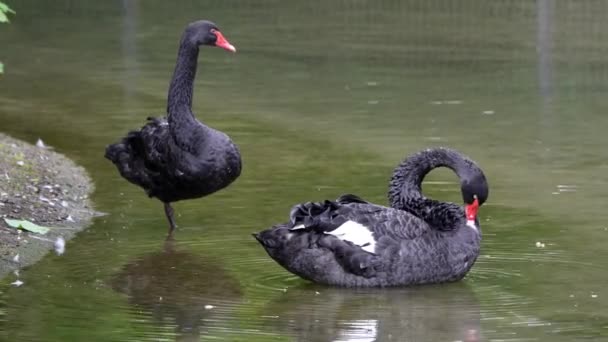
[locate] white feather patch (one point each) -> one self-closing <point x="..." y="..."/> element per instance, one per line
<point x="300" y="226"/>
<point x="356" y="233"/>
<point x="471" y="224"/>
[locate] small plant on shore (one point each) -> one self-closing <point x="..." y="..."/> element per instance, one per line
<point x="4" y="11"/>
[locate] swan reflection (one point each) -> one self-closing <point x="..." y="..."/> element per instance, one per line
<point x="434" y="313"/>
<point x="177" y="289"/>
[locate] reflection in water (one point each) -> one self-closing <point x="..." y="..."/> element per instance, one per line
<point x="436" y="313"/>
<point x="177" y="288"/>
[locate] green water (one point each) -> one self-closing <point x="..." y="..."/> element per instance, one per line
<point x="323" y="98"/>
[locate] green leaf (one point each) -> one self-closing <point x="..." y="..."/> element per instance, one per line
<point x="4" y="8"/>
<point x="1" y="68"/>
<point x="27" y="225"/>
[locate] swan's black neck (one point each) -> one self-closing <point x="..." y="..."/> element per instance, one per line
<point x="405" y="189"/>
<point x="179" y="101"/>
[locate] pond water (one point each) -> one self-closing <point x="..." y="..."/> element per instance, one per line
<point x="323" y="98"/>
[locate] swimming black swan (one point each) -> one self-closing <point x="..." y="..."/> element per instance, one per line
<point x="353" y="243"/>
<point x="178" y="157"/>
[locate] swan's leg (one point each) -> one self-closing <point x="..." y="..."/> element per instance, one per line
<point x="169" y="213"/>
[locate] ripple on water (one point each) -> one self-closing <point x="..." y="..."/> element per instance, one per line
<point x="508" y="281"/>
<point x="259" y="274"/>
<point x="268" y="279"/>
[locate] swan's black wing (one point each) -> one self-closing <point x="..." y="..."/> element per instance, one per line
<point x="142" y="156"/>
<point x="357" y="231"/>
<point x="327" y="216"/>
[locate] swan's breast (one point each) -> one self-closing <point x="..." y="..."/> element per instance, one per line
<point x="356" y="233"/>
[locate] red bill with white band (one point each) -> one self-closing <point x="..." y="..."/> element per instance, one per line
<point x="223" y="42"/>
<point x="471" y="212"/>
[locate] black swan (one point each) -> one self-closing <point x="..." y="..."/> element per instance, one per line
<point x="353" y="243"/>
<point x="178" y="157"/>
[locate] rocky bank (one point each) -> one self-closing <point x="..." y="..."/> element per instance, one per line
<point x="43" y="187"/>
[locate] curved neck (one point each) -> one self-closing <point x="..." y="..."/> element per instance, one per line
<point x="405" y="189"/>
<point x="179" y="101"/>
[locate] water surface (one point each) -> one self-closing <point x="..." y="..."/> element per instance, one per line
<point x="323" y="98"/>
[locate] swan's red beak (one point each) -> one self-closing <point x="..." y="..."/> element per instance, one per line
<point x="471" y="210"/>
<point x="223" y="42"/>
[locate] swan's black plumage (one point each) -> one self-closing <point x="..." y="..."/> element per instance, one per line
<point x="354" y="243"/>
<point x="178" y="157"/>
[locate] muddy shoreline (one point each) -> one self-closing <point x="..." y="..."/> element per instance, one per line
<point x="43" y="187"/>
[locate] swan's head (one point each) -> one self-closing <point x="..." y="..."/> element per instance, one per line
<point x="204" y="32"/>
<point x="474" y="193"/>
<point x="475" y="187"/>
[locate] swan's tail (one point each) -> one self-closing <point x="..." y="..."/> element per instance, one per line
<point x="128" y="156"/>
<point x="405" y="188"/>
<point x="120" y="152"/>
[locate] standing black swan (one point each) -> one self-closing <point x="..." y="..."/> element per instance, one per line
<point x="353" y="243"/>
<point x="178" y="157"/>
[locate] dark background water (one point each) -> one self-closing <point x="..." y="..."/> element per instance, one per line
<point x="323" y="98"/>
